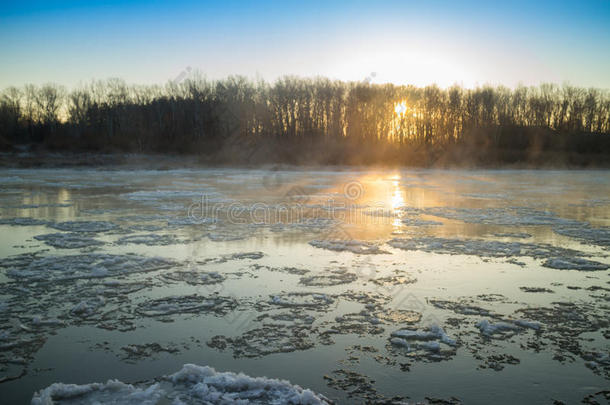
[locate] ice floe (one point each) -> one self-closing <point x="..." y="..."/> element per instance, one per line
<point x="301" y="299"/>
<point x="25" y="221"/>
<point x="68" y="240"/>
<point x="585" y="233"/>
<point x="84" y="226"/>
<point x="329" y="279"/>
<point x="481" y="247"/>
<point x="186" y="304"/>
<point x="92" y="265"/>
<point x="499" y="328"/>
<point x="574" y="263"/>
<point x="354" y="246"/>
<point x="194" y="277"/>
<point x="151" y="239"/>
<point x="423" y="344"/>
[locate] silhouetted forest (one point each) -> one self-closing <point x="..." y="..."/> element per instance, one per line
<point x="301" y="120"/>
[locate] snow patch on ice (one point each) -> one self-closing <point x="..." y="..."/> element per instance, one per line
<point x="192" y="384"/>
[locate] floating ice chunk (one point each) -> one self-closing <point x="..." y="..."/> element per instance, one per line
<point x="68" y="240"/>
<point x="114" y="391"/>
<point x="574" y="263"/>
<point x="84" y="226"/>
<point x="354" y="246"/>
<point x="429" y="346"/>
<point x="481" y="247"/>
<point x="397" y="341"/>
<point x="22" y="221"/>
<point x="151" y="239"/>
<point x="434" y="332"/>
<point x="185" y="304"/>
<point x="597" y="358"/>
<point x="247" y="255"/>
<point x="458" y="246"/>
<point x="409" y="334"/>
<point x="196" y="277"/>
<point x="442" y="336"/>
<point x="487" y="328"/>
<point x="85" y="309"/>
<point x="528" y="324"/>
<point x="584" y="232"/>
<point x="301" y="299"/>
<point x="331" y="279"/>
<point x="54" y="268"/>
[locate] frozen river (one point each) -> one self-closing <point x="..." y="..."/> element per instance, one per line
<point x="356" y="285"/>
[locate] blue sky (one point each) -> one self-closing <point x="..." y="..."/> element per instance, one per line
<point x="411" y="42"/>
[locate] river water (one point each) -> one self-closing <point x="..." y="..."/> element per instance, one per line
<point x="361" y="285"/>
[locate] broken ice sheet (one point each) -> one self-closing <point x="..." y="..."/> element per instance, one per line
<point x="331" y="278"/>
<point x="195" y="277"/>
<point x="585" y="233"/>
<point x="92" y="265"/>
<point x="316" y="301"/>
<point x="68" y="240"/>
<point x="574" y="263"/>
<point x="84" y="226"/>
<point x="354" y="246"/>
<point x="25" y="221"/>
<point x="267" y="339"/>
<point x="483" y="248"/>
<point x="151" y="239"/>
<point x="186" y="304"/>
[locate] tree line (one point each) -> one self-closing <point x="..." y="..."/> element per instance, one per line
<point x="313" y="120"/>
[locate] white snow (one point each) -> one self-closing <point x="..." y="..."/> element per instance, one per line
<point x="431" y="335"/>
<point x="192" y="384"/>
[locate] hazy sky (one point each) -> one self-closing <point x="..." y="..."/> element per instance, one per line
<point x="416" y="42"/>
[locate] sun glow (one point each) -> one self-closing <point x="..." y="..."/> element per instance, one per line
<point x="400" y="108"/>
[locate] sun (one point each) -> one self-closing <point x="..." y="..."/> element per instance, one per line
<point x="400" y="108"/>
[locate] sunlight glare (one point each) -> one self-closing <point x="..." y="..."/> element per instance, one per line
<point x="400" y="108"/>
